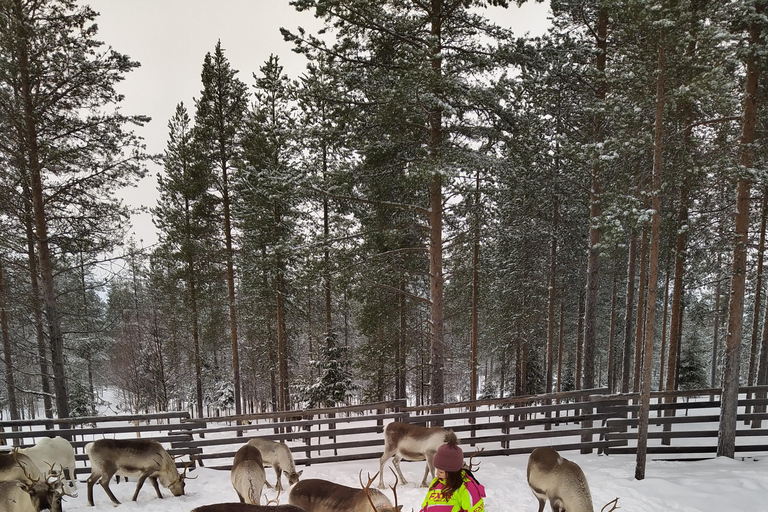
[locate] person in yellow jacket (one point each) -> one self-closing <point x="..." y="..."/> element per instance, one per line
<point x="454" y="488"/>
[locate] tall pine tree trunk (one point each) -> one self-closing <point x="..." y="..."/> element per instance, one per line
<point x="475" y="293"/>
<point x="230" y="255"/>
<point x="753" y="353"/>
<point x="52" y="316"/>
<point x="726" y="441"/>
<point x="640" y="325"/>
<point x="42" y="350"/>
<point x="437" y="389"/>
<point x="676" y="320"/>
<point x="653" y="267"/>
<point x="10" y="384"/>
<point x="629" y="311"/>
<point x="593" y="261"/>
<point x="552" y="297"/>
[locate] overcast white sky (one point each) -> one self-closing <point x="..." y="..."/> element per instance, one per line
<point x="171" y="37"/>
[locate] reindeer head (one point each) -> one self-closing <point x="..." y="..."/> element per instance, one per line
<point x="384" y="505"/>
<point x="45" y="493"/>
<point x="177" y="486"/>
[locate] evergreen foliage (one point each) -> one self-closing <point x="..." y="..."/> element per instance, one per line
<point x="430" y="180"/>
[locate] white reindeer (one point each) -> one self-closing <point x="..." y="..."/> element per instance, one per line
<point x="279" y="456"/>
<point x="315" y="495"/>
<point x="23" y="488"/>
<point x="412" y="442"/>
<point x="49" y="452"/>
<point x="248" y="475"/>
<point x="142" y="458"/>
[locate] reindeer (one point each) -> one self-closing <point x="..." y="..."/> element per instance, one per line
<point x="248" y="475"/>
<point x="412" y="442"/>
<point x="558" y="480"/>
<point x="315" y="495"/>
<point x="277" y="455"/>
<point x="23" y="488"/>
<point x="50" y="451"/>
<point x="142" y="458"/>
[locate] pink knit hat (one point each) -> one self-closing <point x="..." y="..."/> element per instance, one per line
<point x="449" y="457"/>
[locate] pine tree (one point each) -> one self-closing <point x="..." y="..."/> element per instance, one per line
<point x="408" y="68"/>
<point x="269" y="215"/>
<point x="219" y="122"/>
<point x="186" y="219"/>
<point x="57" y="95"/>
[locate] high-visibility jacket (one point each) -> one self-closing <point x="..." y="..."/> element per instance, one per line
<point x="467" y="498"/>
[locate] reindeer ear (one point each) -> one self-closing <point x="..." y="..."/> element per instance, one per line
<point x="399" y="507"/>
<point x="300" y="472"/>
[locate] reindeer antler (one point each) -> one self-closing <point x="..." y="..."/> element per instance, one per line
<point x="471" y="466"/>
<point x="58" y="479"/>
<point x="184" y="473"/>
<point x="367" y="488"/>
<point x="276" y="501"/>
<point x="393" y="487"/>
<point x="615" y="505"/>
<point x="22" y="466"/>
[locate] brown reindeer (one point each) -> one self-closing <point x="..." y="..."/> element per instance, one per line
<point x="558" y="480"/>
<point x="279" y="456"/>
<point x="142" y="458"/>
<point x="315" y="495"/>
<point x="412" y="442"/>
<point x="248" y="475"/>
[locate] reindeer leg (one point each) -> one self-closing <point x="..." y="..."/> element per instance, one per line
<point x="429" y="468"/>
<point x="105" y="484"/>
<point x="383" y="460"/>
<point x="153" y="481"/>
<point x="91" y="480"/>
<point x="279" y="473"/>
<point x="138" y="485"/>
<point x="396" y="463"/>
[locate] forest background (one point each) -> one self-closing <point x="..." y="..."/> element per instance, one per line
<point x="435" y="209"/>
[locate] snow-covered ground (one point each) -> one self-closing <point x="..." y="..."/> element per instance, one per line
<point x="715" y="485"/>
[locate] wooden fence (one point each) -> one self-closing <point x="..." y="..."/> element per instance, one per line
<point x="682" y="425"/>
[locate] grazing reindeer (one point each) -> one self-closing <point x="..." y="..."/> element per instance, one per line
<point x="18" y="496"/>
<point x="245" y="507"/>
<point x="277" y="455"/>
<point x="315" y="495"/>
<point x="248" y="475"/>
<point x="412" y="442"/>
<point x="50" y="451"/>
<point x="142" y="458"/>
<point x="558" y="480"/>
<point x="23" y="488"/>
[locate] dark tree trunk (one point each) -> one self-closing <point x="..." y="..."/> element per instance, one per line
<point x="630" y="309"/>
<point x="726" y="442"/>
<point x="10" y="383"/>
<point x="653" y="268"/>
<point x="42" y="350"/>
<point x="55" y="335"/>
<point x="640" y="325"/>
<point x="593" y="261"/>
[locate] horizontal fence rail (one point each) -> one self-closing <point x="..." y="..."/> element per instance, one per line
<point x="682" y="425"/>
